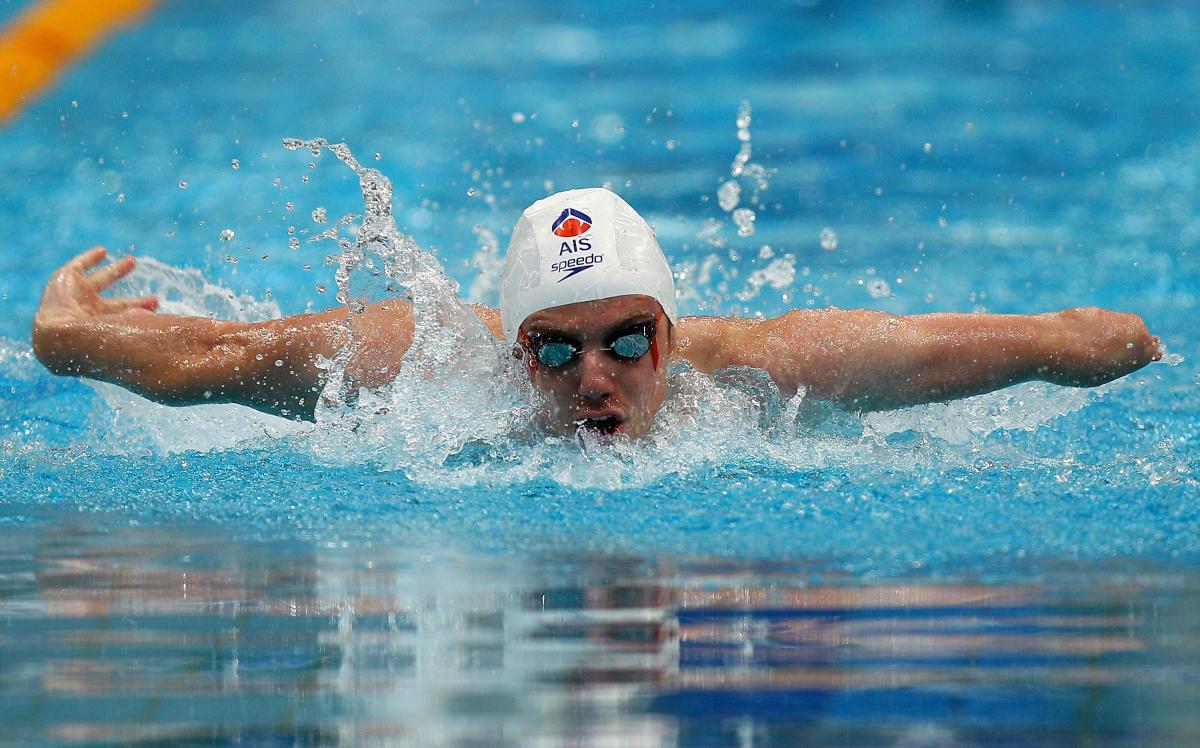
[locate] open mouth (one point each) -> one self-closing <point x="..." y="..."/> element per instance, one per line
<point x="607" y="424"/>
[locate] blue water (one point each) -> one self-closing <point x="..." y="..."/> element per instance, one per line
<point x="1023" y="567"/>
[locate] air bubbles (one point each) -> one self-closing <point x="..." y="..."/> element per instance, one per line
<point x="231" y="259"/>
<point x="278" y="363"/>
<point x="378" y="156"/>
<point x="289" y="205"/>
<point x="120" y="197"/>
<point x="235" y="164"/>
<point x="829" y="239"/>
<point x="294" y="243"/>
<point x="672" y="144"/>
<point x="319" y="215"/>
<point x="226" y="235"/>
<point x="321" y="288"/>
<point x="472" y="192"/>
<point x="928" y="148"/>
<point x="518" y="117"/>
<point x="183" y="185"/>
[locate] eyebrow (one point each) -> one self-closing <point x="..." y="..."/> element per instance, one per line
<point x="636" y="318"/>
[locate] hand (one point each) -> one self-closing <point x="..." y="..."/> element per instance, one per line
<point x="74" y="294"/>
<point x="1094" y="346"/>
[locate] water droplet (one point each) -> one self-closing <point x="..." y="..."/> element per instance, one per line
<point x="829" y="239"/>
<point x="183" y="185"/>
<point x="728" y="195"/>
<point x="235" y="164"/>
<point x="744" y="218"/>
<point x="226" y="234"/>
<point x="319" y="215"/>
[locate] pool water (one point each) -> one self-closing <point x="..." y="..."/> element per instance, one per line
<point x="1022" y="567"/>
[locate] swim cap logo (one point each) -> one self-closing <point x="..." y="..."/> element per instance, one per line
<point x="571" y="223"/>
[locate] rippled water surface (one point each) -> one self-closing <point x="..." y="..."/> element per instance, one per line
<point x="1022" y="567"/>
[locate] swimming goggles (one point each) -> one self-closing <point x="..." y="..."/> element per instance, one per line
<point x="626" y="344"/>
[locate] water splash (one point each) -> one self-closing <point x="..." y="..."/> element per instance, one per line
<point x="455" y="385"/>
<point x="124" y="423"/>
<point x="457" y="413"/>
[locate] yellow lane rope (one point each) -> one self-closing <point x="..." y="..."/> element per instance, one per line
<point x="42" y="42"/>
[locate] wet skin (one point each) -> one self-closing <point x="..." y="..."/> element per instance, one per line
<point x="597" y="390"/>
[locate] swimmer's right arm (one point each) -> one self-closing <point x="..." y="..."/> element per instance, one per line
<point x="177" y="360"/>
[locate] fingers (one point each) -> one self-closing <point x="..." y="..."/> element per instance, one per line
<point x="111" y="273"/>
<point x="139" y="304"/>
<point x="88" y="259"/>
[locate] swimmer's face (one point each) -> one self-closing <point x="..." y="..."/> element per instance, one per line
<point x="598" y="390"/>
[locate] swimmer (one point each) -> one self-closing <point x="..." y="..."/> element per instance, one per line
<point x="588" y="302"/>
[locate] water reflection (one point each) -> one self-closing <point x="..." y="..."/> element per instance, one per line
<point x="175" y="634"/>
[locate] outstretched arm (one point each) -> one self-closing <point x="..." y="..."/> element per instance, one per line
<point x="179" y="360"/>
<point x="873" y="361"/>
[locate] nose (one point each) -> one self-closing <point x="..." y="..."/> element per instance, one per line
<point x="595" y="376"/>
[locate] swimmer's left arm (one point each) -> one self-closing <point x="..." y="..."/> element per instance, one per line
<point x="872" y="361"/>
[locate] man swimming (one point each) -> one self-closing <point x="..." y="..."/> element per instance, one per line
<point x="588" y="302"/>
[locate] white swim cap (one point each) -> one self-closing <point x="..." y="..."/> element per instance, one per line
<point x="580" y="245"/>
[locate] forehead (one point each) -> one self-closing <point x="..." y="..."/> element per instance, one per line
<point x="592" y="316"/>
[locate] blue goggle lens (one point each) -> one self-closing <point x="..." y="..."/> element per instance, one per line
<point x="632" y="346"/>
<point x="555" y="354"/>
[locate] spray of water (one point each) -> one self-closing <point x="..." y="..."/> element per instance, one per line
<point x="459" y="411"/>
